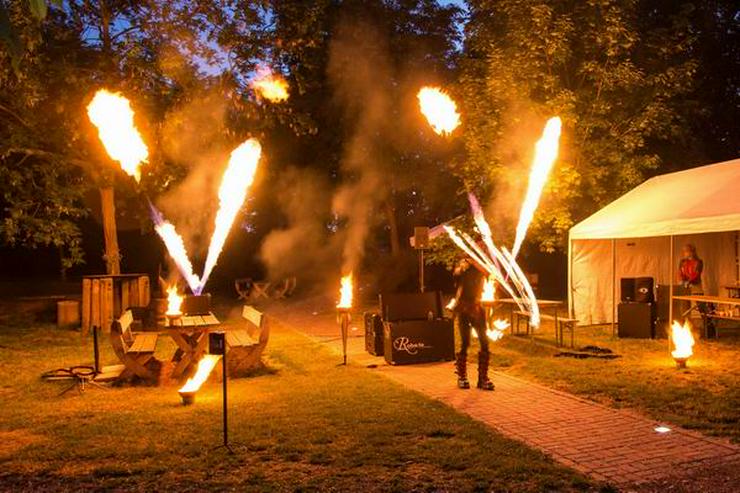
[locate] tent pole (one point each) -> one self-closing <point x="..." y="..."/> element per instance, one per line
<point x="670" y="291"/>
<point x="570" y="277"/>
<point x="614" y="286"/>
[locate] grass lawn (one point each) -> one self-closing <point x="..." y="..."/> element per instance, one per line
<point x="308" y="425"/>
<point x="705" y="397"/>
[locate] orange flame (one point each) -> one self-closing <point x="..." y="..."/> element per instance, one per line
<point x="176" y="248"/>
<point x="683" y="340"/>
<point x="269" y="86"/>
<point x="345" y="292"/>
<point x="497" y="332"/>
<point x="545" y="154"/>
<point x="235" y="183"/>
<point x="174" y="301"/>
<point x="205" y="366"/>
<point x="112" y="114"/>
<point x="489" y="291"/>
<point x="439" y="109"/>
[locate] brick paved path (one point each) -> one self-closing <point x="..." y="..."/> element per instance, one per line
<point x="613" y="445"/>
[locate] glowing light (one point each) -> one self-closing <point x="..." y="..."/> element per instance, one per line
<point x="683" y="340"/>
<point x="452" y="304"/>
<point x="662" y="429"/>
<point x="111" y="113"/>
<point x="270" y="86"/>
<point x="496" y="332"/>
<point x="345" y="292"/>
<point x="545" y="154"/>
<point x="205" y="366"/>
<point x="235" y="183"/>
<point x="174" y="301"/>
<point x="439" y="109"/>
<point x="489" y="291"/>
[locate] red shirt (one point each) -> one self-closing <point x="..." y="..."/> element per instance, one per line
<point x="690" y="270"/>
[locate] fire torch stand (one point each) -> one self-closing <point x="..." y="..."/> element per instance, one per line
<point x="217" y="345"/>
<point x="344" y="319"/>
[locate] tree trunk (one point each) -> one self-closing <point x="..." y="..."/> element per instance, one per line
<point x="390" y="213"/>
<point x="112" y="256"/>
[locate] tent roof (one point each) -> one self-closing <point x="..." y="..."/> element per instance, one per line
<point x="699" y="200"/>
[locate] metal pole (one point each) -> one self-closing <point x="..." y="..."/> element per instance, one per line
<point x="614" y="286"/>
<point x="96" y="349"/>
<point x="670" y="291"/>
<point x="225" y="401"/>
<point x="421" y="270"/>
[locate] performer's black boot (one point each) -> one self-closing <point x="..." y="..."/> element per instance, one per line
<point x="483" y="382"/>
<point x="461" y="368"/>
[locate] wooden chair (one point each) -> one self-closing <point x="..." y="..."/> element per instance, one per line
<point x="134" y="350"/>
<point x="285" y="288"/>
<point x="246" y="346"/>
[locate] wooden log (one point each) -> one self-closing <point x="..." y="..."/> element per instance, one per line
<point x="68" y="314"/>
<point x="86" y="293"/>
<point x="144" y="293"/>
<point x="133" y="292"/>
<point x="95" y="303"/>
<point x="107" y="304"/>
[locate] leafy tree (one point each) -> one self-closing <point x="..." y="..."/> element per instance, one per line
<point x="618" y="78"/>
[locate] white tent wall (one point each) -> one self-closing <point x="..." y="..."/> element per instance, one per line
<point x="591" y="282"/>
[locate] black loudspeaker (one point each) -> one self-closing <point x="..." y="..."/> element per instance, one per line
<point x="411" y="306"/>
<point x="627" y="289"/>
<point x="374" y="334"/>
<point x="637" y="289"/>
<point x="644" y="290"/>
<point x="418" y="341"/>
<point x="196" y="304"/>
<point x="636" y="320"/>
<point x="216" y="343"/>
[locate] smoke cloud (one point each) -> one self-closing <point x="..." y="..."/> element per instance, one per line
<point x="360" y="75"/>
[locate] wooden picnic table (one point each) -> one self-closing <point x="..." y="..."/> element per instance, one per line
<point x="190" y="333"/>
<point x="733" y="291"/>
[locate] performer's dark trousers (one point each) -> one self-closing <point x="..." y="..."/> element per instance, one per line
<point x="466" y="322"/>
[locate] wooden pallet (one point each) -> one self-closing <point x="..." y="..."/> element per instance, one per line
<point x="105" y="298"/>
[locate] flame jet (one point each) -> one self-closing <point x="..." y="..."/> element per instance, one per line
<point x="111" y="113"/>
<point x="235" y="183"/>
<point x="175" y="247"/>
<point x="439" y="109"/>
<point x="545" y="154"/>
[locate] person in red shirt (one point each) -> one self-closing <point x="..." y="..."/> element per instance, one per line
<point x="690" y="269"/>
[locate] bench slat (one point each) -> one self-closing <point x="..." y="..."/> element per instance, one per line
<point x="239" y="338"/>
<point x="143" y="343"/>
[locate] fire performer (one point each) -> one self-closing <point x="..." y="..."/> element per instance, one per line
<point x="469" y="314"/>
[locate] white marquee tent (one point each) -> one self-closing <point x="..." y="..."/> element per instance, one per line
<point x="641" y="235"/>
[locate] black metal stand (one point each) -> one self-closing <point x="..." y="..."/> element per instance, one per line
<point x="96" y="349"/>
<point x="344" y="321"/>
<point x="224" y="394"/>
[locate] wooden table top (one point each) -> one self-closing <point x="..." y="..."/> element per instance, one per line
<point x="512" y="301"/>
<point x="193" y="321"/>
<point x="701" y="298"/>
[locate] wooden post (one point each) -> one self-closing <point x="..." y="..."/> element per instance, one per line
<point x="108" y="210"/>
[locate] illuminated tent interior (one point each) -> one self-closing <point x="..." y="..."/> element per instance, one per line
<point x="641" y="235"/>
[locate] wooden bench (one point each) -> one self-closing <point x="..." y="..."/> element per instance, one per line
<point x="134" y="349"/>
<point x="246" y="346"/>
<point x="561" y="325"/>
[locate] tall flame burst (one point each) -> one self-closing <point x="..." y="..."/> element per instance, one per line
<point x="345" y="292"/>
<point x="439" y="109"/>
<point x="545" y="154"/>
<point x="270" y="86"/>
<point x="175" y="247"/>
<point x="683" y="340"/>
<point x="235" y="183"/>
<point x="206" y="364"/>
<point x="174" y="301"/>
<point x="111" y="113"/>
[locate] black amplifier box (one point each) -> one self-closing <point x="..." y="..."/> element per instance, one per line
<point x="418" y="341"/>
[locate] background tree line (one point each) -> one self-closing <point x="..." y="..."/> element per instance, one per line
<point x="643" y="87"/>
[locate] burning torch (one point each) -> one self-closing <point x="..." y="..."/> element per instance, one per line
<point x="683" y="343"/>
<point x="344" y="318"/>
